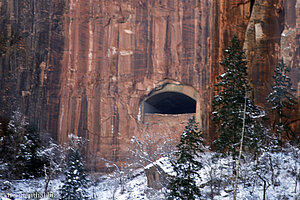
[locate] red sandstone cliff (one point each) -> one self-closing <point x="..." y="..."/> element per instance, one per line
<point x="31" y="49"/>
<point x="273" y="33"/>
<point x="85" y="67"/>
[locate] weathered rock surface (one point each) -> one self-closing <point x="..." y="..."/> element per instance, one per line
<point x="115" y="54"/>
<point x="85" y="66"/>
<point x="31" y="48"/>
<point x="273" y="33"/>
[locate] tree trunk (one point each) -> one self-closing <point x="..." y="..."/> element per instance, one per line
<point x="241" y="149"/>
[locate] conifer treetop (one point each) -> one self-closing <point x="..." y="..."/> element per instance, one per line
<point x="75" y="184"/>
<point x="187" y="165"/>
<point x="282" y="95"/>
<point x="228" y="105"/>
<point x="283" y="101"/>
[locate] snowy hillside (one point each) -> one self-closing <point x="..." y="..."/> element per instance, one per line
<point x="277" y="172"/>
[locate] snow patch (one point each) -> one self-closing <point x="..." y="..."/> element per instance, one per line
<point x="128" y="31"/>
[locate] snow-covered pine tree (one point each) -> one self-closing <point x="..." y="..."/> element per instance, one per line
<point x="228" y="105"/>
<point x="29" y="162"/>
<point x="19" y="146"/>
<point x="75" y="184"/>
<point x="10" y="144"/>
<point x="184" y="186"/>
<point x="282" y="100"/>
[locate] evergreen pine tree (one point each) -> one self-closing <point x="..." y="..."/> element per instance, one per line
<point x="28" y="161"/>
<point x="75" y="183"/>
<point x="19" y="146"/>
<point x="183" y="186"/>
<point x="12" y="142"/>
<point x="228" y="105"/>
<point x="282" y="100"/>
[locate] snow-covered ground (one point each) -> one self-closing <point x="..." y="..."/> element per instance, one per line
<point x="279" y="172"/>
<point x="276" y="172"/>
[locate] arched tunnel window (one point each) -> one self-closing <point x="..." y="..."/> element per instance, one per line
<point x="170" y="103"/>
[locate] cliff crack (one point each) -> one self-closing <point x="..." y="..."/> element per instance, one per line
<point x="244" y="3"/>
<point x="109" y="20"/>
<point x="251" y="6"/>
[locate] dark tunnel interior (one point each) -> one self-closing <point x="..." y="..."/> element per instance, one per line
<point x="170" y="103"/>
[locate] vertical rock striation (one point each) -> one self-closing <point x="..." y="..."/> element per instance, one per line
<point x="116" y="52"/>
<point x="31" y="47"/>
<point x="272" y="33"/>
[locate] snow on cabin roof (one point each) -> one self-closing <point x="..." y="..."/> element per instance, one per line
<point x="164" y="163"/>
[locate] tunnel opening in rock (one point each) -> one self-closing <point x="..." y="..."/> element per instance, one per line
<point x="170" y="103"/>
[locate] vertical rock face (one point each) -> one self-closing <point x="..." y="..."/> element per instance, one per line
<point x="116" y="53"/>
<point x="273" y="33"/>
<point x="290" y="51"/>
<point x="262" y="44"/>
<point x="85" y="66"/>
<point x="31" y="47"/>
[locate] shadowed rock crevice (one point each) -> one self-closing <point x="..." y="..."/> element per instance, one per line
<point x="251" y="6"/>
